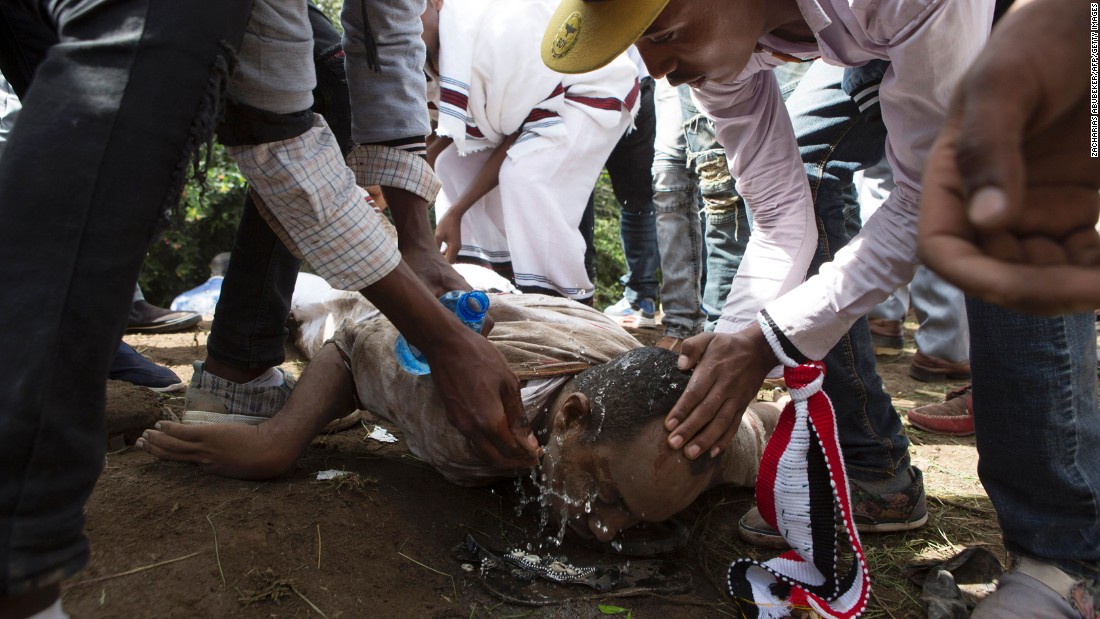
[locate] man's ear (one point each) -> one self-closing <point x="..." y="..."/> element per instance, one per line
<point x="575" y="409"/>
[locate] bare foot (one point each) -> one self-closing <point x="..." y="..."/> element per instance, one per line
<point x="233" y="450"/>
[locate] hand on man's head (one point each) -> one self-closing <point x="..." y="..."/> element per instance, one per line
<point x="729" y="369"/>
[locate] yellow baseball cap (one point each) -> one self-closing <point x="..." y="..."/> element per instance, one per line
<point x="584" y="35"/>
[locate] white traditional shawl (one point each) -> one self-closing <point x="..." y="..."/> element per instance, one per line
<point x="493" y="82"/>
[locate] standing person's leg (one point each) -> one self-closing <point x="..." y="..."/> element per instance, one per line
<point x="679" y="230"/>
<point x="630" y="169"/>
<point x="1037" y="427"/>
<point x="588" y="231"/>
<point x="943" y="337"/>
<point x="128" y="365"/>
<point x="836" y="137"/>
<point x="885" y="321"/>
<point x="248" y="336"/>
<point x="727" y="217"/>
<point x="120" y="137"/>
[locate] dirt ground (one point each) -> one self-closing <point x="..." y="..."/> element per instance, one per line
<point x="169" y="541"/>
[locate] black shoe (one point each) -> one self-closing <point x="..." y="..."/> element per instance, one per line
<point x="148" y="318"/>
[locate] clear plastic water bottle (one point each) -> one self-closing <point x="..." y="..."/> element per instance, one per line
<point x="470" y="308"/>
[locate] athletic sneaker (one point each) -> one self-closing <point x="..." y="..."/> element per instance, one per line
<point x="875" y="511"/>
<point x="640" y="315"/>
<point x="212" y="399"/>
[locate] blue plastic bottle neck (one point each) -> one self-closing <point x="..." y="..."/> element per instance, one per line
<point x="471" y="306"/>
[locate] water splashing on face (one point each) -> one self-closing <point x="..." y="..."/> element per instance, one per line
<point x="550" y="497"/>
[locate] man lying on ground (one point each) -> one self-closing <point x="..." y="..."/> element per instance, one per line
<point x="595" y="399"/>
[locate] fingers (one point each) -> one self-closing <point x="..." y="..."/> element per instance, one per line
<point x="992" y="108"/>
<point x="518" y="424"/>
<point x="1023" y="287"/>
<point x="692" y="350"/>
<point x="696" y="421"/>
<point x="698" y="385"/>
<point x="731" y="418"/>
<point x="506" y="450"/>
<point x="451" y="253"/>
<point x="483" y="402"/>
<point x="1083" y="247"/>
<point x="715" y="434"/>
<point x="170" y="441"/>
<point x="695" y="408"/>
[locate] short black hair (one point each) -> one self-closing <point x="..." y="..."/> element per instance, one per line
<point x="628" y="391"/>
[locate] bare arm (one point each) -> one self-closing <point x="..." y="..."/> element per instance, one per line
<point x="480" y="394"/>
<point x="449" y="228"/>
<point x="417" y="243"/>
<point x="437" y="144"/>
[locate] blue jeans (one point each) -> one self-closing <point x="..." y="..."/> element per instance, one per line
<point x="690" y="167"/>
<point x="249" y="329"/>
<point x="835" y="140"/>
<point x="1037" y="428"/>
<point x="630" y="169"/>
<point x="106" y="120"/>
<point x="727" y="222"/>
<point x="679" y="227"/>
<point x="728" y="217"/>
<point x="941" y="315"/>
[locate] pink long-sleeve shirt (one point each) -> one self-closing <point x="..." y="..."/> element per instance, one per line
<point x="930" y="44"/>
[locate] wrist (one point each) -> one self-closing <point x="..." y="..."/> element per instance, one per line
<point x="762" y="349"/>
<point x="446" y="335"/>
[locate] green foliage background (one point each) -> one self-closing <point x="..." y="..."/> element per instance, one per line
<point x="206" y="223"/>
<point x="610" y="264"/>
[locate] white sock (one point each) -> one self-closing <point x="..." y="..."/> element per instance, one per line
<point x="53" y="612"/>
<point x="271" y="378"/>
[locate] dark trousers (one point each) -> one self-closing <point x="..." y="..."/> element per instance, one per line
<point x="249" y="329"/>
<point x="630" y="168"/>
<point x="99" y="153"/>
<point x="835" y="139"/>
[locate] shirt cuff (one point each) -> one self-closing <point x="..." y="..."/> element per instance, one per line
<point x="784" y="350"/>
<point x="379" y="164"/>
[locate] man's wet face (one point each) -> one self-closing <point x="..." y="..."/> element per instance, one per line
<point x="695" y="41"/>
<point x="611" y="486"/>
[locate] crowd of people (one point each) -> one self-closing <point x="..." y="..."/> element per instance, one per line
<point x="800" y="171"/>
